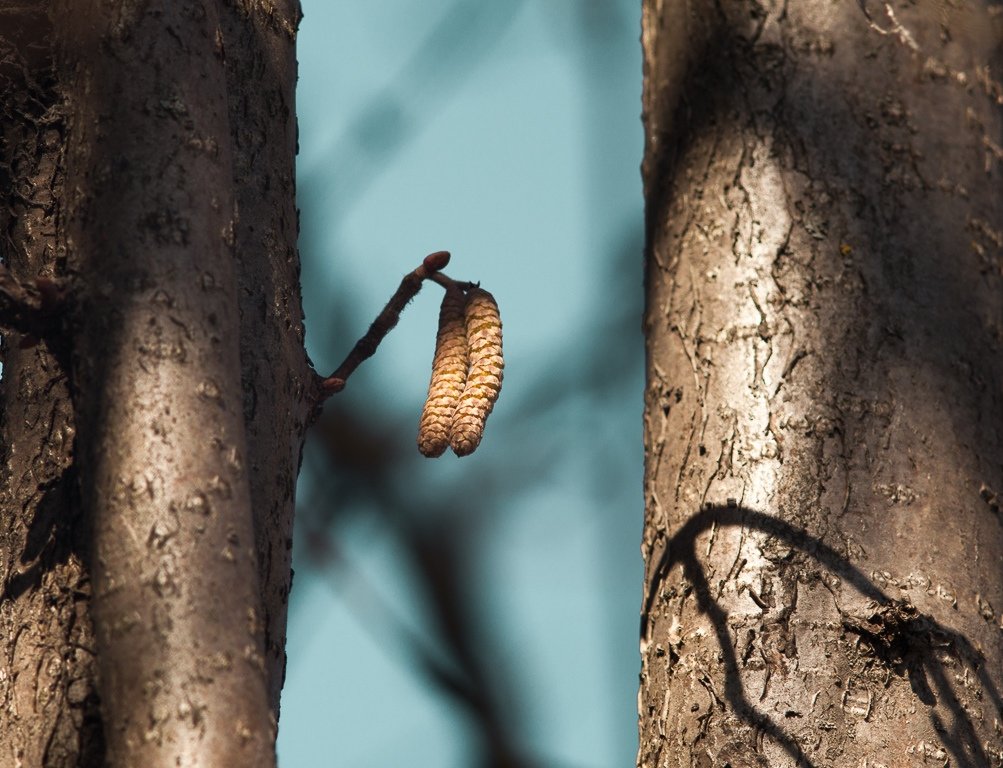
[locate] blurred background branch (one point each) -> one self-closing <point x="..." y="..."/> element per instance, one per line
<point x="479" y="611"/>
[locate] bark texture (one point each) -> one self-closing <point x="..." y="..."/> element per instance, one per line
<point x="149" y="228"/>
<point x="824" y="262"/>
<point x="277" y="381"/>
<point x="152" y="451"/>
<point x="48" y="702"/>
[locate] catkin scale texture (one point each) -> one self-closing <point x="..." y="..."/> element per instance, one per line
<point x="484" y="374"/>
<point x="449" y="375"/>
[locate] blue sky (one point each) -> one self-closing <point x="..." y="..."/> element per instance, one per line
<point x="508" y="134"/>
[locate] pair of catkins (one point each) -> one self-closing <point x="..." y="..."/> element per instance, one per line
<point x="466" y="373"/>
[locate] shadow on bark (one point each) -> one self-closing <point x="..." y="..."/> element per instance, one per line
<point x="52" y="536"/>
<point x="885" y="202"/>
<point x="903" y="639"/>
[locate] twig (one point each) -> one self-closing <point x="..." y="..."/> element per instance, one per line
<point x="387" y="319"/>
<point x="448" y="282"/>
<point x="381" y="621"/>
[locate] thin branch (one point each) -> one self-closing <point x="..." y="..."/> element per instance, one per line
<point x="387" y="319"/>
<point x="380" y="620"/>
<point x="448" y="282"/>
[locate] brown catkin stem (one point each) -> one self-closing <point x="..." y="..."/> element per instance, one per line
<point x="484" y="375"/>
<point x="385" y="321"/>
<point x="449" y="375"/>
<point x="446" y="282"/>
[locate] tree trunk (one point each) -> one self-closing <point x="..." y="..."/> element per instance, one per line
<point x="824" y="260"/>
<point x="151" y="447"/>
<point x="49" y="714"/>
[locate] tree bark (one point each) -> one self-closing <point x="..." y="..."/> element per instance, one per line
<point x="49" y="714"/>
<point x="277" y="382"/>
<point x="152" y="447"/>
<point x="823" y="264"/>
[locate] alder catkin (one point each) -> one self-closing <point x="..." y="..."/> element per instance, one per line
<point x="484" y="373"/>
<point x="449" y="374"/>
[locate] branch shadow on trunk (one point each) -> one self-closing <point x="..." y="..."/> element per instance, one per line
<point x="909" y="324"/>
<point x="51" y="539"/>
<point x="901" y="637"/>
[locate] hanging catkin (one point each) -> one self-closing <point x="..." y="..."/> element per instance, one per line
<point x="484" y="374"/>
<point x="449" y="373"/>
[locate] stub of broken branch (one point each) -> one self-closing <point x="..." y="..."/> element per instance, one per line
<point x="30" y="308"/>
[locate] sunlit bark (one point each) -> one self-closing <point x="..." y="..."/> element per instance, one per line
<point x="824" y="207"/>
<point x="151" y="447"/>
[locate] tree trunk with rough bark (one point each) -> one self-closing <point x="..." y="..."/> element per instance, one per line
<point x="151" y="441"/>
<point x="824" y="189"/>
